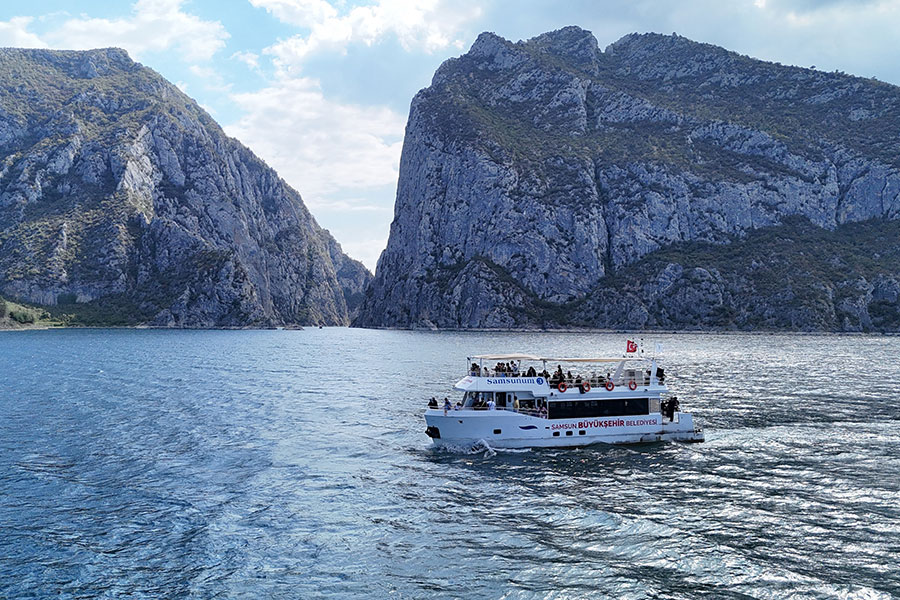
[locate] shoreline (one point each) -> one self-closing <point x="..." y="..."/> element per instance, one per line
<point x="644" y="332"/>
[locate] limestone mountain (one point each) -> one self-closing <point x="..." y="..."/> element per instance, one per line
<point x="547" y="183"/>
<point x="121" y="199"/>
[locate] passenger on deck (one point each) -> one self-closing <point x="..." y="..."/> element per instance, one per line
<point x="447" y="404"/>
<point x="669" y="408"/>
<point x="531" y="372"/>
<point x="583" y="384"/>
<point x="432" y="403"/>
<point x="557" y="376"/>
<point x="516" y="403"/>
<point x="491" y="405"/>
<point x="457" y="406"/>
<point x="542" y="412"/>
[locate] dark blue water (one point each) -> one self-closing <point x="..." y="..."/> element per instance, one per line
<point x="293" y="464"/>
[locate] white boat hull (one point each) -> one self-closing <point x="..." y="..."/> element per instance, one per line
<point x="507" y="429"/>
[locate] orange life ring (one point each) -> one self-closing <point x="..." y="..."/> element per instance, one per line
<point x="562" y="387"/>
<point x="610" y="386"/>
<point x="586" y="386"/>
<point x="632" y="385"/>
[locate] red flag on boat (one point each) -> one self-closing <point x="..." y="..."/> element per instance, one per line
<point x="630" y="347"/>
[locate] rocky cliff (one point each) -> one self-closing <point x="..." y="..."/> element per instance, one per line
<point x="535" y="176"/>
<point x="120" y="198"/>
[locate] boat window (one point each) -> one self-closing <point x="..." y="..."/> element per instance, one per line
<point x="471" y="397"/>
<point x="599" y="408"/>
<point x="477" y="399"/>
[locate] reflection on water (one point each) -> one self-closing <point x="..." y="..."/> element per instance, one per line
<point x="294" y="464"/>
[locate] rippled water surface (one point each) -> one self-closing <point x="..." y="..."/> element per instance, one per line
<point x="293" y="464"/>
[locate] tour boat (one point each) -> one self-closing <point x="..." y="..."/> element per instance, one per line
<point x="509" y="406"/>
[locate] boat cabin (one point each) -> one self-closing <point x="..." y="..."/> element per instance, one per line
<point x="576" y="388"/>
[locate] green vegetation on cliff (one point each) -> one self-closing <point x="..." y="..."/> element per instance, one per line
<point x="14" y="315"/>
<point x="794" y="276"/>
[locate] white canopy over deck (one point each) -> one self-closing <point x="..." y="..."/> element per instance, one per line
<point x="520" y="357"/>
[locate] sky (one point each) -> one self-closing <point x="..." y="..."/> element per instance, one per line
<point x="320" y="89"/>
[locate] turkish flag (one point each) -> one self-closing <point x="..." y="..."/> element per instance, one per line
<point x="630" y="347"/>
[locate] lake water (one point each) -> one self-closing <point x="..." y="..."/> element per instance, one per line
<point x="293" y="464"/>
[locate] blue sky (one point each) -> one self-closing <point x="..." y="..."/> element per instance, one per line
<point x="320" y="89"/>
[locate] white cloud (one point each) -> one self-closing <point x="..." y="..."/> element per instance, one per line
<point x="154" y="25"/>
<point x="366" y="251"/>
<point x="317" y="145"/>
<point x="302" y="13"/>
<point x="428" y="25"/>
<point x="212" y="79"/>
<point x="343" y="158"/>
<point x="854" y="36"/>
<point x="849" y="35"/>
<point x="14" y="33"/>
<point x="353" y="205"/>
<point x="250" y="59"/>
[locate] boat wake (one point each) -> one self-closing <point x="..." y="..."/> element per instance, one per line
<point x="490" y="451"/>
<point x="482" y="446"/>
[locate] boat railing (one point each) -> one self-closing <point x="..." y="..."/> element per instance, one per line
<point x="532" y="412"/>
<point x="641" y="379"/>
<point x="599" y="381"/>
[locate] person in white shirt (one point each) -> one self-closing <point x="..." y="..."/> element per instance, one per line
<point x="491" y="404"/>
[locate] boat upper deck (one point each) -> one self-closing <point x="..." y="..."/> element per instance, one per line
<point x="523" y="372"/>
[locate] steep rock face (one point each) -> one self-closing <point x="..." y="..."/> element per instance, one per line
<point x="561" y="165"/>
<point x="118" y="192"/>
